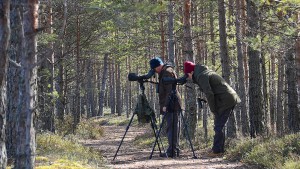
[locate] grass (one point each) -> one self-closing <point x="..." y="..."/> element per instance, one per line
<point x="268" y="153"/>
<point x="55" y="151"/>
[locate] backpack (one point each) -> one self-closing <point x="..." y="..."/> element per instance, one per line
<point x="143" y="110"/>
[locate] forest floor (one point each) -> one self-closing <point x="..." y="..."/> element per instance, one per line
<point x="131" y="156"/>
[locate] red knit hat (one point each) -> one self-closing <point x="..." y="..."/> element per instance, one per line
<point x="188" y="67"/>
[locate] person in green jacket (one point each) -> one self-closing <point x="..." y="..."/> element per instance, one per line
<point x="221" y="99"/>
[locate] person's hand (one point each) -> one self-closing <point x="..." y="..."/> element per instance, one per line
<point x="164" y="109"/>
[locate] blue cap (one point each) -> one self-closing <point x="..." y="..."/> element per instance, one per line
<point x="155" y="62"/>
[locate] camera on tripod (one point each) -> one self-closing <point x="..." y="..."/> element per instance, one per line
<point x="135" y="77"/>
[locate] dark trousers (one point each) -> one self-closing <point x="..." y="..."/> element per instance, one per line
<point x="219" y="137"/>
<point x="172" y="131"/>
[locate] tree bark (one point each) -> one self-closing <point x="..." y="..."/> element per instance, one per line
<point x="190" y="101"/>
<point x="26" y="146"/>
<point x="241" y="72"/>
<point x="231" y="125"/>
<point x="273" y="98"/>
<point x="293" y="107"/>
<point x="112" y="87"/>
<point x="255" y="81"/>
<point x="280" y="99"/>
<point x="4" y="41"/>
<point x="103" y="86"/>
<point x="13" y="76"/>
<point x="118" y="90"/>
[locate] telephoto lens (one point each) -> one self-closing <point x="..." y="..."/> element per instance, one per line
<point x="133" y="77"/>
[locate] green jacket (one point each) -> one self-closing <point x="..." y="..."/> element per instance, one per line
<point x="165" y="89"/>
<point x="220" y="96"/>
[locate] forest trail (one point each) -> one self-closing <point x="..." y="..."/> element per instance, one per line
<point x="130" y="156"/>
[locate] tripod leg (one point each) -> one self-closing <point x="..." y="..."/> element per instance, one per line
<point x="154" y="131"/>
<point x="124" y="135"/>
<point x="157" y="136"/>
<point x="187" y="133"/>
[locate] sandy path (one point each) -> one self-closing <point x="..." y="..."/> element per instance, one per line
<point x="130" y="156"/>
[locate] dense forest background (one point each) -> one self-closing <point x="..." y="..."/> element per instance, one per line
<point x="65" y="61"/>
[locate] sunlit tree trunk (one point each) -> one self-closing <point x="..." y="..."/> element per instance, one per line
<point x="241" y="72"/>
<point x="4" y="41"/>
<point x="190" y="101"/>
<point x="26" y="146"/>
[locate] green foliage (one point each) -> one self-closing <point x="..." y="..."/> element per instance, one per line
<point x="269" y="153"/>
<point x="46" y="38"/>
<point x="89" y="129"/>
<point x="58" y="148"/>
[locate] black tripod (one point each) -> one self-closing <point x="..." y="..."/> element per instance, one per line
<point x="143" y="104"/>
<point x="170" y="109"/>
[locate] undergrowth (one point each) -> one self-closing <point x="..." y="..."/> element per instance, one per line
<point x="268" y="153"/>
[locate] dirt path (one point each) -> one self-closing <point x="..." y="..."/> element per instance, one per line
<point x="133" y="157"/>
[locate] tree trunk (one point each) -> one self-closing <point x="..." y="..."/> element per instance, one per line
<point x="171" y="54"/>
<point x="212" y="34"/>
<point x="231" y="125"/>
<point x="244" y="46"/>
<point x="293" y="109"/>
<point x="103" y="86"/>
<point x="273" y="98"/>
<point x="77" y="110"/>
<point x="241" y="72"/>
<point x="190" y="102"/>
<point x="112" y="87"/>
<point x="255" y="82"/>
<point x="91" y="112"/>
<point x="12" y="77"/>
<point x="46" y="78"/>
<point x="298" y="57"/>
<point x="4" y="41"/>
<point x="26" y="146"/>
<point x="118" y="90"/>
<point x="280" y="99"/>
<point x="59" y="87"/>
<point x="265" y="91"/>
